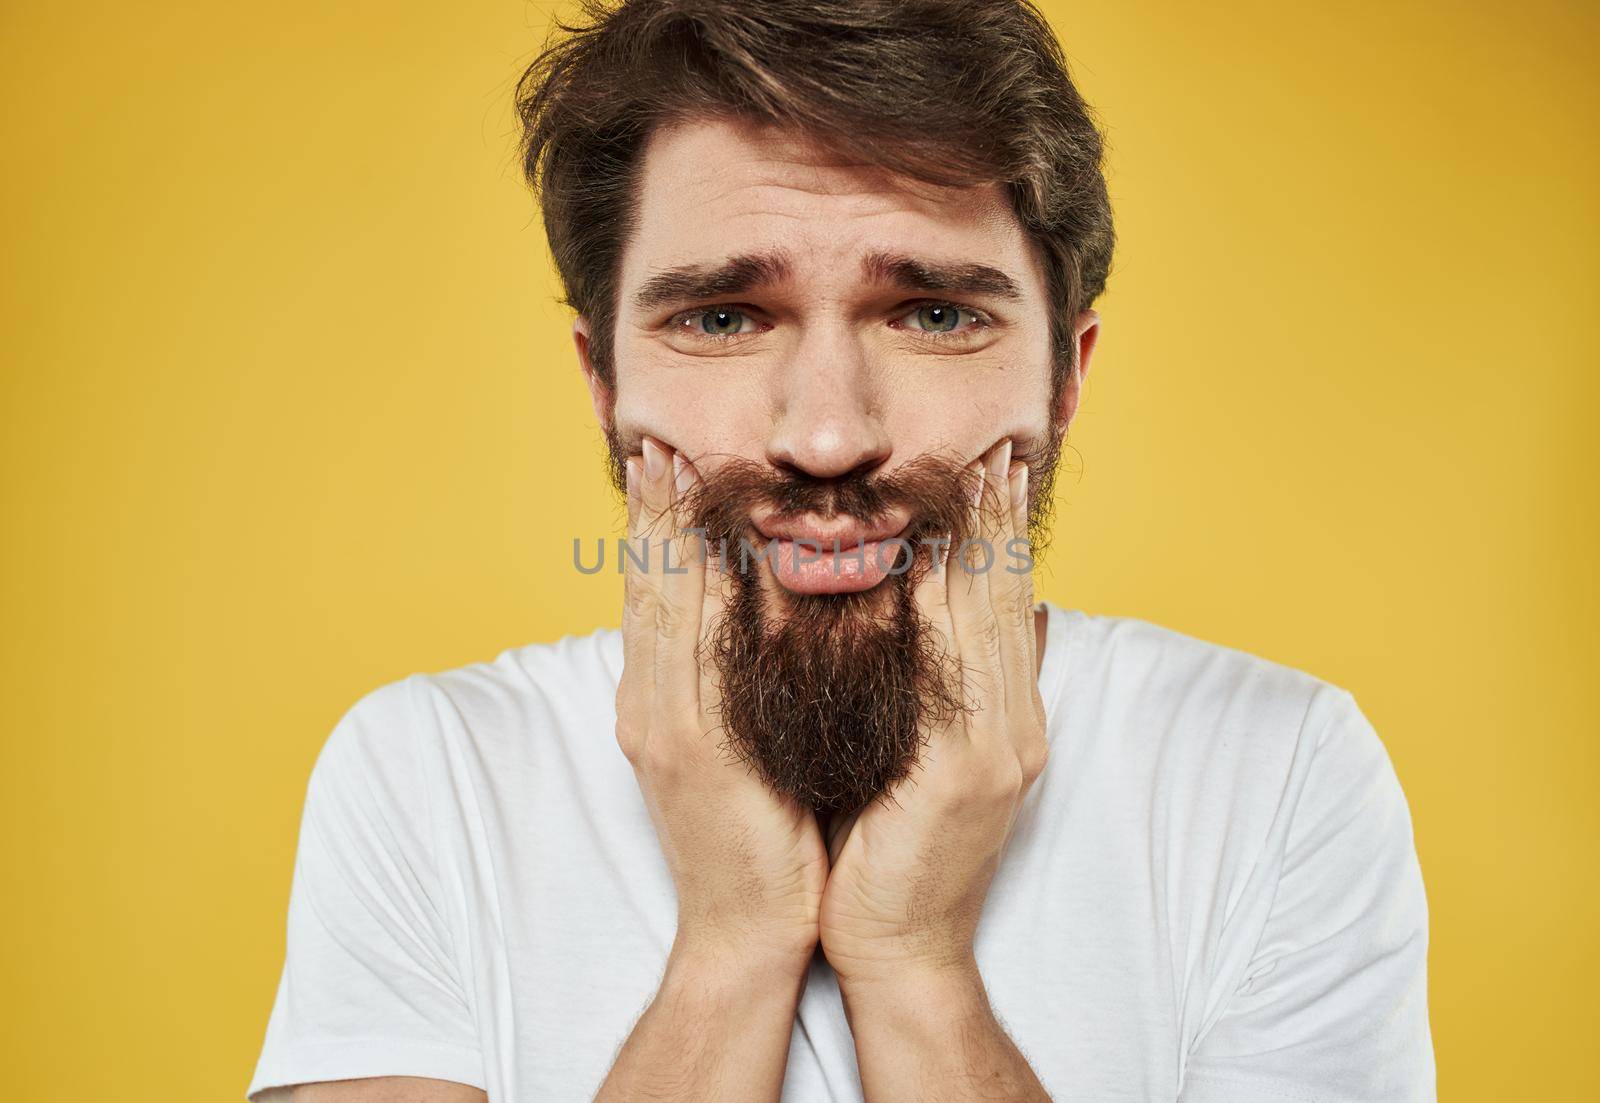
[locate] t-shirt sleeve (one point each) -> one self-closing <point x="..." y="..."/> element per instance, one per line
<point x="1333" y="1005"/>
<point x="371" y="984"/>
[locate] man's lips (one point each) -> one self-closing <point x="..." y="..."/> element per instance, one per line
<point x="847" y="532"/>
<point x="830" y="556"/>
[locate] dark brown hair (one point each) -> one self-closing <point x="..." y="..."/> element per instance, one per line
<point x="948" y="92"/>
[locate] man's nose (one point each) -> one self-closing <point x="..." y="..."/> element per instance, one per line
<point x="827" y="422"/>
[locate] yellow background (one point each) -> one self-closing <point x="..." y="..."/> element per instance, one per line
<point x="290" y="411"/>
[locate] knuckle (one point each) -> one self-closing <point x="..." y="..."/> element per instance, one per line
<point x="1007" y="780"/>
<point x="982" y="688"/>
<point x="672" y="621"/>
<point x="981" y="788"/>
<point x="988" y="631"/>
<point x="661" y="758"/>
<point x="960" y="785"/>
<point x="630" y="739"/>
<point x="640" y="600"/>
<point x="1018" y="609"/>
<point x="1034" y="760"/>
<point x="950" y="790"/>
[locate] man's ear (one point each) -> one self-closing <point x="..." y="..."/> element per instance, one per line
<point x="599" y="393"/>
<point x="1085" y="336"/>
<point x="1086" y="333"/>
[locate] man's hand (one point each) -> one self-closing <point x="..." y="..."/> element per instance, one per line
<point x="749" y="866"/>
<point x="910" y="873"/>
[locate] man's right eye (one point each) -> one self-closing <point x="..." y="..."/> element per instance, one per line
<point x="714" y="322"/>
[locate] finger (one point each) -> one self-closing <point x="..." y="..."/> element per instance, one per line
<point x="638" y="625"/>
<point x="678" y="603"/>
<point x="931" y="591"/>
<point x="1011" y="598"/>
<point x="655" y="490"/>
<point x="977" y="628"/>
<point x="1025" y="717"/>
<point x="633" y="466"/>
<point x="718" y="592"/>
<point x="649" y="495"/>
<point x="931" y="596"/>
<point x="1024" y="562"/>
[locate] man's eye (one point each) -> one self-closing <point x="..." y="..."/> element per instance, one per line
<point x="717" y="322"/>
<point x="941" y="318"/>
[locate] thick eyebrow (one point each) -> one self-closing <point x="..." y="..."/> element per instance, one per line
<point x="747" y="272"/>
<point x="694" y="282"/>
<point x="915" y="274"/>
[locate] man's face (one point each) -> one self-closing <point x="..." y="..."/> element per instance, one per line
<point x="830" y="366"/>
<point x="824" y="326"/>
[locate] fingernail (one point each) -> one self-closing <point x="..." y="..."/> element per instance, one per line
<point x="1000" y="462"/>
<point x="1019" y="485"/>
<point x="655" y="459"/>
<point x="632" y="466"/>
<point x="682" y="474"/>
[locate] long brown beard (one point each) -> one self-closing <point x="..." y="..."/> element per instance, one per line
<point x="829" y="697"/>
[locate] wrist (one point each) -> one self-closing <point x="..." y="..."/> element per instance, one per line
<point x="721" y="965"/>
<point x="920" y="998"/>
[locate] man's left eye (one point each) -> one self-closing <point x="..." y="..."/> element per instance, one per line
<point x="937" y="318"/>
<point x="717" y="321"/>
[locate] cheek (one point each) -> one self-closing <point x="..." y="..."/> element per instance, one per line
<point x="691" y="408"/>
<point x="968" y="410"/>
<point x="728" y="407"/>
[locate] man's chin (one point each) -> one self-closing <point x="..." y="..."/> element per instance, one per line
<point x="823" y="693"/>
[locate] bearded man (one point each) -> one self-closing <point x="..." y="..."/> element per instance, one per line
<point x="840" y="813"/>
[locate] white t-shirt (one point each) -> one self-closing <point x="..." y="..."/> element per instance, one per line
<point x="1211" y="895"/>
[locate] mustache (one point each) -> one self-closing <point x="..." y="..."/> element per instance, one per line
<point x="934" y="490"/>
<point x="932" y="487"/>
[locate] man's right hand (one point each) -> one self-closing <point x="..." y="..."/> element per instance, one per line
<point x="750" y="866"/>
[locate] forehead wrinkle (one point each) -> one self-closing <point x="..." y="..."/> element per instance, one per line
<point x="814" y="217"/>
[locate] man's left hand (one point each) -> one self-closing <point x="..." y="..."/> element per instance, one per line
<point x="910" y="872"/>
